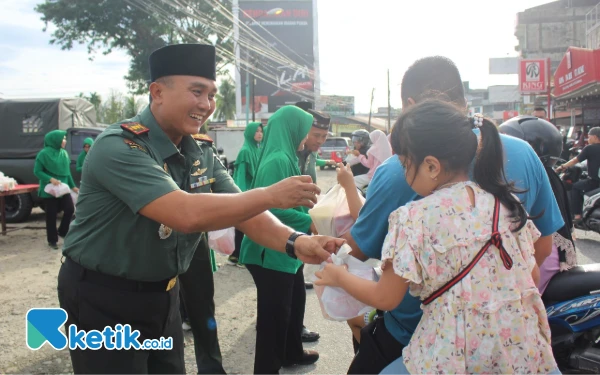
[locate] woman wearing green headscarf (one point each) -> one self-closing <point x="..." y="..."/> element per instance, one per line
<point x="279" y="279"/>
<point x="87" y="144"/>
<point x="245" y="167"/>
<point x="52" y="166"/>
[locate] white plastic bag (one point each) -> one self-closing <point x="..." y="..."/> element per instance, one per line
<point x="342" y="219"/>
<point x="7" y="183"/>
<point x="352" y="160"/>
<point x="331" y="214"/>
<point x="57" y="191"/>
<point x="74" y="197"/>
<point x="336" y="304"/>
<point x="222" y="241"/>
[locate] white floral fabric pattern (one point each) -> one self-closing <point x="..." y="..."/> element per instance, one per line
<point x="491" y="322"/>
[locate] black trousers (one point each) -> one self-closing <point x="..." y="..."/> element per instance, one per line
<point x="52" y="206"/>
<point x="94" y="301"/>
<point x="280" y="304"/>
<point x="377" y="349"/>
<point x="182" y="312"/>
<point x="198" y="290"/>
<point x="579" y="189"/>
<point x="239" y="236"/>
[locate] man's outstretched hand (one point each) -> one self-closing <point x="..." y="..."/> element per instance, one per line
<point x="316" y="249"/>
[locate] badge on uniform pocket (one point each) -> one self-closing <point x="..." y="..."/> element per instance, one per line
<point x="164" y="232"/>
<point x="199" y="172"/>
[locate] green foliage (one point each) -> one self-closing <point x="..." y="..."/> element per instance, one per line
<point x="106" y="25"/>
<point x="132" y="106"/>
<point x="226" y="100"/>
<point x="112" y="108"/>
<point x="116" y="107"/>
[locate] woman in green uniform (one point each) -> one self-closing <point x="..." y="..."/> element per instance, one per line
<point x="245" y="167"/>
<point x="87" y="144"/>
<point x="279" y="279"/>
<point x="52" y="166"/>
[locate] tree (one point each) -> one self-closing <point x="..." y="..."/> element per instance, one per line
<point x="116" y="107"/>
<point x="117" y="24"/>
<point x="132" y="106"/>
<point x="96" y="101"/>
<point x="112" y="108"/>
<point x="226" y="100"/>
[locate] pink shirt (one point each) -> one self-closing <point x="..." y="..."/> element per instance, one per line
<point x="372" y="163"/>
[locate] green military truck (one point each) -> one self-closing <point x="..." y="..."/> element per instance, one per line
<point x="23" y="125"/>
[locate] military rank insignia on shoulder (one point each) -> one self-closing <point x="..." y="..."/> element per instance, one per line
<point x="134" y="146"/>
<point x="202" y="137"/>
<point x="135" y="128"/>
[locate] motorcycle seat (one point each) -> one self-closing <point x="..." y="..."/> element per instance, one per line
<point x="591" y="193"/>
<point x="577" y="282"/>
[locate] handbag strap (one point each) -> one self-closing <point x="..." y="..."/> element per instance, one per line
<point x="495" y="240"/>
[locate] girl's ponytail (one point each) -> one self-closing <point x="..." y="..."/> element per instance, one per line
<point x="489" y="171"/>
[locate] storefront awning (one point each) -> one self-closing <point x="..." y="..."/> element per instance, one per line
<point x="578" y="74"/>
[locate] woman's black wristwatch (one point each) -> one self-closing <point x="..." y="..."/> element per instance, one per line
<point x="289" y="245"/>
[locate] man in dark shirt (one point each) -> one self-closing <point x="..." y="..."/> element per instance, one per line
<point x="591" y="153"/>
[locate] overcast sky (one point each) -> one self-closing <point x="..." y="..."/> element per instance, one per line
<point x="359" y="41"/>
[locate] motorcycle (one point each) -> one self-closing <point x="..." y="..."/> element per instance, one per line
<point x="572" y="301"/>
<point x="591" y="211"/>
<point x="231" y="168"/>
<point x="591" y="202"/>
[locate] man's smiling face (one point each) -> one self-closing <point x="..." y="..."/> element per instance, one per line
<point x="186" y="102"/>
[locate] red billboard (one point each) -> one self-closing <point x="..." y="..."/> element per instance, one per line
<point x="507" y="115"/>
<point x="533" y="76"/>
<point x="576" y="70"/>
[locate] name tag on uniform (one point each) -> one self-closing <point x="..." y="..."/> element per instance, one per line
<point x="202" y="181"/>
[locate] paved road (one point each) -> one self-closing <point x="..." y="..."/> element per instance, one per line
<point x="236" y="311"/>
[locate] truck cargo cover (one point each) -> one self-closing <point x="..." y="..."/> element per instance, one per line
<point x="23" y="123"/>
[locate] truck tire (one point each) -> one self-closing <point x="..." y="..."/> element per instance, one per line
<point x="18" y="207"/>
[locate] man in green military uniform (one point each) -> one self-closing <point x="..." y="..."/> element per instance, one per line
<point x="308" y="159"/>
<point x="197" y="282"/>
<point x="142" y="210"/>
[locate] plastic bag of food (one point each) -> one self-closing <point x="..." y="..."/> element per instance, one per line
<point x="352" y="160"/>
<point x="74" y="197"/>
<point x="331" y="215"/>
<point x="222" y="241"/>
<point x="342" y="220"/>
<point x="336" y="304"/>
<point x="322" y="214"/>
<point x="57" y="191"/>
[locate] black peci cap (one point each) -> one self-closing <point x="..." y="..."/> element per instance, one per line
<point x="183" y="60"/>
<point x="321" y="120"/>
<point x="305" y="105"/>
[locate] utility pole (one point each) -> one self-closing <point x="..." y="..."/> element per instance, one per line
<point x="252" y="96"/>
<point x="247" y="87"/>
<point x="389" y="124"/>
<point x="371" y="108"/>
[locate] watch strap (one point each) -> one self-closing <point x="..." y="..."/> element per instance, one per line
<point x="289" y="245"/>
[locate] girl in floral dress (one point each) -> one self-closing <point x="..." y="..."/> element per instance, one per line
<point x="466" y="249"/>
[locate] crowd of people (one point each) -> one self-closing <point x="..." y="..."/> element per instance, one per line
<point x="470" y="223"/>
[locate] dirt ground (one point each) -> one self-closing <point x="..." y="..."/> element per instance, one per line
<point x="28" y="278"/>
